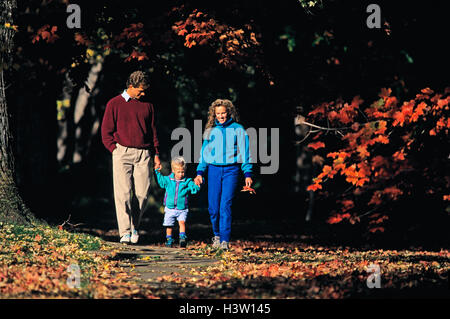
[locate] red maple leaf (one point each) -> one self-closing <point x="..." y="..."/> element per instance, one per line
<point x="316" y="145"/>
<point x="385" y="93"/>
<point x="248" y="189"/>
<point x="314" y="187"/>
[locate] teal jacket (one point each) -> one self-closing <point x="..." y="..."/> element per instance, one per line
<point x="228" y="143"/>
<point x="177" y="191"/>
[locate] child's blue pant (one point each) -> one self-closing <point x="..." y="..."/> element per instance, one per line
<point x="222" y="183"/>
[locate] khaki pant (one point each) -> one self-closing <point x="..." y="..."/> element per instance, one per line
<point x="131" y="178"/>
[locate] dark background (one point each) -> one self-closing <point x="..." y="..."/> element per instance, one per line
<point x="411" y="55"/>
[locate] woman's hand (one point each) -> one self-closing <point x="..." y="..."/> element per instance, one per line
<point x="248" y="181"/>
<point x="198" y="180"/>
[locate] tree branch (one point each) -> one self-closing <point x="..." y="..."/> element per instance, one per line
<point x="72" y="226"/>
<point x="303" y="122"/>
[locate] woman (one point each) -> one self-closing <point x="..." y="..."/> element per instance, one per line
<point x="225" y="151"/>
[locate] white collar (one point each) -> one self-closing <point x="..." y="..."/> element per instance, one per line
<point x="125" y="95"/>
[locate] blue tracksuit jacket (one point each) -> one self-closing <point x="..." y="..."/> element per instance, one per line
<point x="228" y="143"/>
<point x="177" y="191"/>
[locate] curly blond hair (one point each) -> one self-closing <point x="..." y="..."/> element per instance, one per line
<point x="231" y="112"/>
<point x="178" y="161"/>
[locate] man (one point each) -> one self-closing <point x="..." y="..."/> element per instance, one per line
<point x="129" y="133"/>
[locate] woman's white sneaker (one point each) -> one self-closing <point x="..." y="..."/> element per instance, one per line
<point x="216" y="242"/>
<point x="224" y="245"/>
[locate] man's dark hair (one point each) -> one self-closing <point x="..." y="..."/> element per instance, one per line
<point x="138" y="78"/>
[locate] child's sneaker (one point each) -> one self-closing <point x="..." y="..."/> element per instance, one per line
<point x="224" y="245"/>
<point x="169" y="242"/>
<point x="216" y="242"/>
<point x="125" y="239"/>
<point x="183" y="241"/>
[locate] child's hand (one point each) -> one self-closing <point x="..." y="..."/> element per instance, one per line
<point x="157" y="162"/>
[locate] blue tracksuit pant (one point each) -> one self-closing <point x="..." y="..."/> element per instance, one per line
<point x="222" y="183"/>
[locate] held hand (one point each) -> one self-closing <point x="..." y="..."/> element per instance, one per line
<point x="198" y="180"/>
<point x="248" y="181"/>
<point x="157" y="162"/>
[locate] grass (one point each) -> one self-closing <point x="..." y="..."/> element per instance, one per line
<point x="35" y="263"/>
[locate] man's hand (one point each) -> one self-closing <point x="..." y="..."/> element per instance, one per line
<point x="198" y="180"/>
<point x="248" y="181"/>
<point x="157" y="162"/>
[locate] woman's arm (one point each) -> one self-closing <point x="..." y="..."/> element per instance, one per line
<point x="244" y="155"/>
<point x="202" y="164"/>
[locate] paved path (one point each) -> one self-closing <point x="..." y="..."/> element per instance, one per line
<point x="151" y="261"/>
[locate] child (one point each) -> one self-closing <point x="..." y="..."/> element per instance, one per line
<point x="176" y="198"/>
<point x="226" y="145"/>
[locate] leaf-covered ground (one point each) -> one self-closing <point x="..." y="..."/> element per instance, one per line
<point x="295" y="270"/>
<point x="34" y="264"/>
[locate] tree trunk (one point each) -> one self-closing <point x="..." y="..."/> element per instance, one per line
<point x="12" y="207"/>
<point x="81" y="123"/>
<point x="83" y="139"/>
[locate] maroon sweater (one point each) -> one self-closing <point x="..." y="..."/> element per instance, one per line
<point x="131" y="124"/>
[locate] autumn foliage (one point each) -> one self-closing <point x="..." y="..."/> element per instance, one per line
<point x="388" y="153"/>
<point x="46" y="33"/>
<point x="234" y="45"/>
<point x="231" y="44"/>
